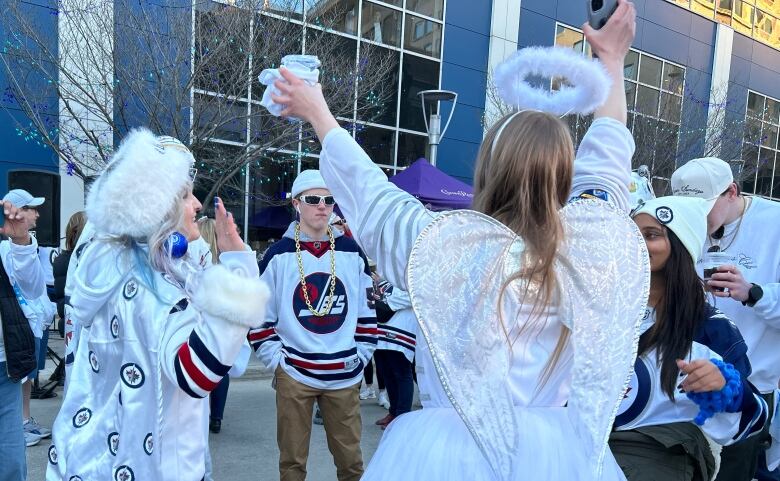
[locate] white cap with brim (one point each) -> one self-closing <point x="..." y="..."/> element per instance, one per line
<point x="307" y="180"/>
<point x="21" y="198"/>
<point x="685" y="216"/>
<point x="707" y="178"/>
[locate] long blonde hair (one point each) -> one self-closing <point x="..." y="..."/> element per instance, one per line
<point x="523" y="181"/>
<point x="208" y="231"/>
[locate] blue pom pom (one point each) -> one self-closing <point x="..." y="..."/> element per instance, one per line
<point x="728" y="399"/>
<point x="177" y="245"/>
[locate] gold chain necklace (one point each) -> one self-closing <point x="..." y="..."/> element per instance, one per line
<point x="736" y="230"/>
<point x="299" y="258"/>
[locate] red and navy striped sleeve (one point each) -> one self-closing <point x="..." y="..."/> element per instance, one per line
<point x="198" y="371"/>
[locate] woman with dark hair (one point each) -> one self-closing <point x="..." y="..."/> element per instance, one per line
<point x="689" y="392"/>
<point x="60" y="264"/>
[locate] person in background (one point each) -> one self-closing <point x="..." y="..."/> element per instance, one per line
<point x="689" y="354"/>
<point x="73" y="230"/>
<point x="21" y="278"/>
<point x="747" y="290"/>
<point x="38" y="311"/>
<point x="218" y="396"/>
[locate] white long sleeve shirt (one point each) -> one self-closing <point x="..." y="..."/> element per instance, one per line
<point x="26" y="274"/>
<point x="757" y="255"/>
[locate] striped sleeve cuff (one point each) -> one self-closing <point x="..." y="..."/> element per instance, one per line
<point x="198" y="371"/>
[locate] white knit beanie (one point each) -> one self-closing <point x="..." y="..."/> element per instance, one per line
<point x="685" y="216"/>
<point x="308" y="179"/>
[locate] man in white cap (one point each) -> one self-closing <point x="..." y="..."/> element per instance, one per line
<point x="39" y="312"/>
<point x="319" y="332"/>
<point x="21" y="278"/>
<point x="747" y="228"/>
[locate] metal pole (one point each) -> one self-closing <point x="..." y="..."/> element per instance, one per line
<point x="434" y="137"/>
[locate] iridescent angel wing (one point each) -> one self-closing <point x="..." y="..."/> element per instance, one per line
<point x="458" y="267"/>
<point x="455" y="274"/>
<point x="604" y="274"/>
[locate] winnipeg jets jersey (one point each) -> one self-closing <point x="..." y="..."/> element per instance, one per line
<point x="399" y="333"/>
<point x="322" y="351"/>
<point x="646" y="404"/>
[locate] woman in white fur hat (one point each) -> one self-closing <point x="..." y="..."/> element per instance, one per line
<point x="690" y="378"/>
<point x="159" y="329"/>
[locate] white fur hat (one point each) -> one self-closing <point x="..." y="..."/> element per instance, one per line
<point x="140" y="186"/>
<point x="308" y="179"/>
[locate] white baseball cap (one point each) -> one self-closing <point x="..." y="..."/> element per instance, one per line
<point x="308" y="179"/>
<point x="21" y="198"/>
<point x="707" y="178"/>
<point x="685" y="216"/>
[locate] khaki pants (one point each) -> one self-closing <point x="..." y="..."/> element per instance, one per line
<point x="341" y="414"/>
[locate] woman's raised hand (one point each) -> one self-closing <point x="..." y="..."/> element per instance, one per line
<point x="227" y="231"/>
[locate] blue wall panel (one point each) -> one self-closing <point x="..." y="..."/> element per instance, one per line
<point x="22" y="150"/>
<point x="464" y="70"/>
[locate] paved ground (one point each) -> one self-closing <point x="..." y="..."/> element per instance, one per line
<point x="246" y="447"/>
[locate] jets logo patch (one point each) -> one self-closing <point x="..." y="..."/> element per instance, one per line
<point x="318" y="287"/>
<point x="130" y="289"/>
<point x="81" y="418"/>
<point x="148" y="444"/>
<point x="93" y="362"/>
<point x="132" y="375"/>
<point x="113" y="443"/>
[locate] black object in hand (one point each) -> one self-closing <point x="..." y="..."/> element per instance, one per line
<point x="599" y="12"/>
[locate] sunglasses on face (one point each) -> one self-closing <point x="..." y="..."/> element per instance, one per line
<point x="316" y="199"/>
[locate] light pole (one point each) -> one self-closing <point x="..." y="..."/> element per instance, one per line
<point x="433" y="127"/>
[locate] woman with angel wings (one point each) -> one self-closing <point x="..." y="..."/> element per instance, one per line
<point x="529" y="304"/>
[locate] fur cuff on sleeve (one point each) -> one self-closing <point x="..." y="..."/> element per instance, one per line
<point x="234" y="298"/>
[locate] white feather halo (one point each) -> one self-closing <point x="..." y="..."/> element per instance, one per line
<point x="589" y="81"/>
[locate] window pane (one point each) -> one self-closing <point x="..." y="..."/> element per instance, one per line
<point x="755" y="105"/>
<point x="222" y="51"/>
<point x="418" y="74"/>
<point x="216" y="117"/>
<point x="339" y="15"/>
<point x="273" y="38"/>
<point x="377" y="99"/>
<point x="766" y="165"/>
<point x="749" y="167"/>
<point x="674" y="77"/>
<point x="671" y="107"/>
<point x="630" y="95"/>
<point x="752" y="131"/>
<point x="682" y="3"/>
<point x="769" y="136"/>
<point x="703" y="7"/>
<point x="410" y="148"/>
<point x="284" y="8"/>
<point x="378" y="143"/>
<point x="566" y="37"/>
<point x="723" y="11"/>
<point x="215" y="163"/>
<point x="271" y="178"/>
<point x="743" y="17"/>
<point x="431" y="8"/>
<point x="381" y="24"/>
<point x="772" y="111"/>
<point x="647" y="100"/>
<point x="337" y="73"/>
<point x="650" y="71"/>
<point x="631" y="65"/>
<point x="422" y="36"/>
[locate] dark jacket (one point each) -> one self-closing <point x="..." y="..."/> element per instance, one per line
<point x="17" y="334"/>
<point x="60" y="267"/>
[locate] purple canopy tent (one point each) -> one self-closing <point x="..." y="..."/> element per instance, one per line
<point x="433" y="187"/>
